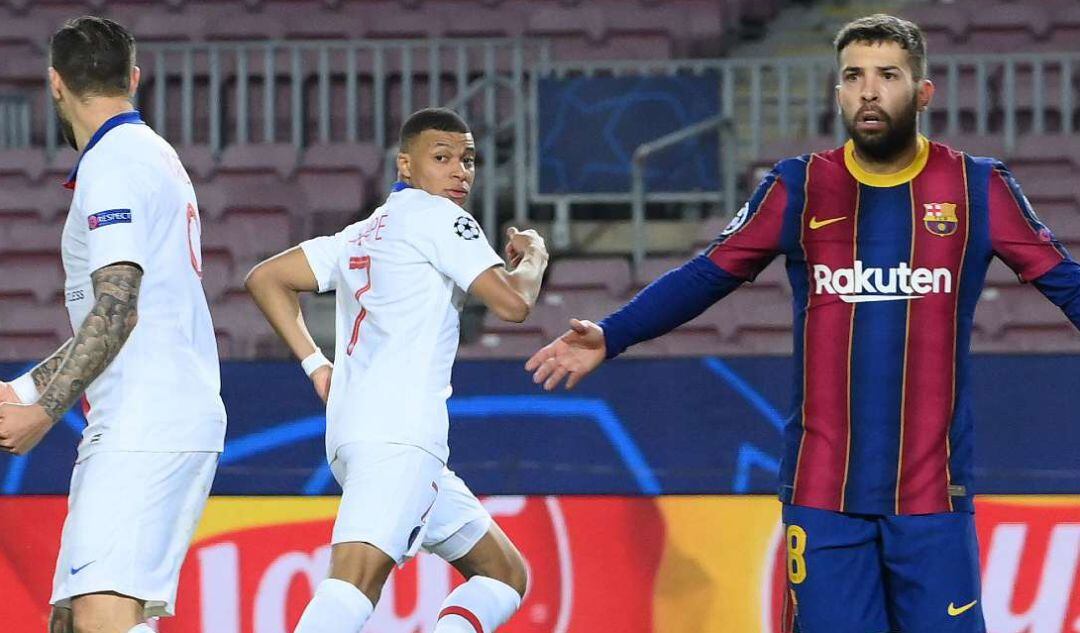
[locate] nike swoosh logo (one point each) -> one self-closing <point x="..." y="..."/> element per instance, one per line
<point x="75" y="570"/>
<point x="955" y="611"/>
<point x="815" y="224"/>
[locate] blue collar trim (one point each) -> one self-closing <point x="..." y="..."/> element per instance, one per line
<point x="132" y="116"/>
<point x="399" y="186"/>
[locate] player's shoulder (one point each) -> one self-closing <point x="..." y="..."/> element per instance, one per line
<point x="129" y="146"/>
<point x="427" y="214"/>
<point x="942" y="151"/>
<point x="792" y="171"/>
<point x="417" y="202"/>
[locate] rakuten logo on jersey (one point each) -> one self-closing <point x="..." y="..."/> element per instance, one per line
<point x="862" y="284"/>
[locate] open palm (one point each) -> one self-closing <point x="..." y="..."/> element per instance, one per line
<point x="571" y="356"/>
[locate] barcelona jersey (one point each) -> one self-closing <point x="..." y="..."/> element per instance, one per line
<point x="885" y="273"/>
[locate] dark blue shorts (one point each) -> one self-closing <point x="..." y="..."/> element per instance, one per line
<point x="859" y="573"/>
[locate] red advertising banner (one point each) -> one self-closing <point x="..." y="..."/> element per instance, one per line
<point x="670" y="564"/>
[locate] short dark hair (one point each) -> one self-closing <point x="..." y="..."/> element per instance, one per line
<point x="94" y="56"/>
<point x="878" y="28"/>
<point x="441" y="119"/>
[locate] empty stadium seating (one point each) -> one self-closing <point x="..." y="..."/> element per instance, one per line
<point x="258" y="198"/>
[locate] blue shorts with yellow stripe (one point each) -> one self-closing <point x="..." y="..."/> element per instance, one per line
<point x="860" y="573"/>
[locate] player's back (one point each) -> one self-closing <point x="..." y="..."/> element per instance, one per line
<point x="133" y="202"/>
<point x="401" y="277"/>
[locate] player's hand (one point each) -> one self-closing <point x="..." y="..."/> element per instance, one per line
<point x="321" y="379"/>
<point x="572" y="356"/>
<point x="22" y="426"/>
<point x="519" y="242"/>
<point x="7" y="393"/>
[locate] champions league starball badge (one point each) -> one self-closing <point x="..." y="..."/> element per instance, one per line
<point x="466" y="228"/>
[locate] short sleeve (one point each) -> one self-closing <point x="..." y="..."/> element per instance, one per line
<point x="752" y="238"/>
<point x="452" y="240"/>
<point x="117" y="204"/>
<point x="1017" y="235"/>
<point x="323" y="254"/>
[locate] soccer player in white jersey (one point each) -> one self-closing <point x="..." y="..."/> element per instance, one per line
<point x="143" y="350"/>
<point x="401" y="278"/>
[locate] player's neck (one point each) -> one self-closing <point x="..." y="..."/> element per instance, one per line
<point x="890" y="165"/>
<point x="93" y="114"/>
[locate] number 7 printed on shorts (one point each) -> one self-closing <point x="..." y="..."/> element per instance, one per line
<point x="359" y="263"/>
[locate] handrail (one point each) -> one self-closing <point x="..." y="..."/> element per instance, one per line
<point x="720" y="122"/>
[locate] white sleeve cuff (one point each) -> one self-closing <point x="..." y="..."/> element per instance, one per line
<point x="25" y="388"/>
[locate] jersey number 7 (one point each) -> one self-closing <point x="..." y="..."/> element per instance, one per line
<point x="359" y="263"/>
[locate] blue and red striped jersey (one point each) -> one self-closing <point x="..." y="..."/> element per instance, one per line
<point x="885" y="272"/>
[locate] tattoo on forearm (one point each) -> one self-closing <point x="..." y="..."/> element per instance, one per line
<point x="45" y="371"/>
<point x="99" y="339"/>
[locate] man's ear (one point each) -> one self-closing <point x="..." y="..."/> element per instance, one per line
<point x="133" y="81"/>
<point x="403" y="166"/>
<point x="56" y="83"/>
<point x="926" y="94"/>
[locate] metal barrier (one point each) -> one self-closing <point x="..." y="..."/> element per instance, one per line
<point x="350" y="91"/>
<point x="14" y="121"/>
<point x="727" y="171"/>
<point x="228" y="92"/>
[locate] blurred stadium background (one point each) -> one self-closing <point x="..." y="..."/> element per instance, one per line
<point x="627" y="132"/>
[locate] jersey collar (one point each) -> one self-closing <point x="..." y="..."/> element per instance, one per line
<point x="399" y="186"/>
<point x="131" y="116"/>
<point x="887" y="180"/>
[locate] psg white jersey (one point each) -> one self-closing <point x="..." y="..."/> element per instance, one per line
<point x="401" y="278"/>
<point x="133" y="202"/>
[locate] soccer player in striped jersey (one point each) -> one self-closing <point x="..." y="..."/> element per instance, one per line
<point x="887" y="242"/>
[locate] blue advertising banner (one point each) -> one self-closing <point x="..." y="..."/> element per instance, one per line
<point x="657" y="426"/>
<point x="589" y="128"/>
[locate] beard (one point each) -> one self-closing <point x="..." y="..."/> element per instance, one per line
<point x="65" y="126"/>
<point x="898" y="135"/>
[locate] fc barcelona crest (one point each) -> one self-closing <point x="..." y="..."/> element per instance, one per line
<point x="940" y="218"/>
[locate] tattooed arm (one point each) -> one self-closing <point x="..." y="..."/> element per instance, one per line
<point x="88" y="353"/>
<point x="99" y="339"/>
<point x="45" y="370"/>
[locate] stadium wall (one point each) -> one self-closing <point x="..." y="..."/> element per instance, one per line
<point x="618" y="494"/>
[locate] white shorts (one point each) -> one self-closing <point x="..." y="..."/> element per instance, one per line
<point x="401" y="498"/>
<point x="130" y="520"/>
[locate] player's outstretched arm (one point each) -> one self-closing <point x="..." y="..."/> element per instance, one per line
<point x="275" y="285"/>
<point x="1061" y="285"/>
<point x="511" y="292"/>
<point x="96" y="343"/>
<point x="572" y="356"/>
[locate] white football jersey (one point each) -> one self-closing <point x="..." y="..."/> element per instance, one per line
<point x="133" y="202"/>
<point x="401" y="278"/>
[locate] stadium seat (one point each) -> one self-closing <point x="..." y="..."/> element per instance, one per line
<point x="28" y="163"/>
<point x="276" y="158"/>
<point x="199" y="162"/>
<point x="27" y="231"/>
<point x="219" y="275"/>
<point x="37" y="272"/>
<point x="609" y="274"/>
<point x="237" y="317"/>
<point x="249" y="233"/>
<point x="361" y="159"/>
<point x="20" y="345"/>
